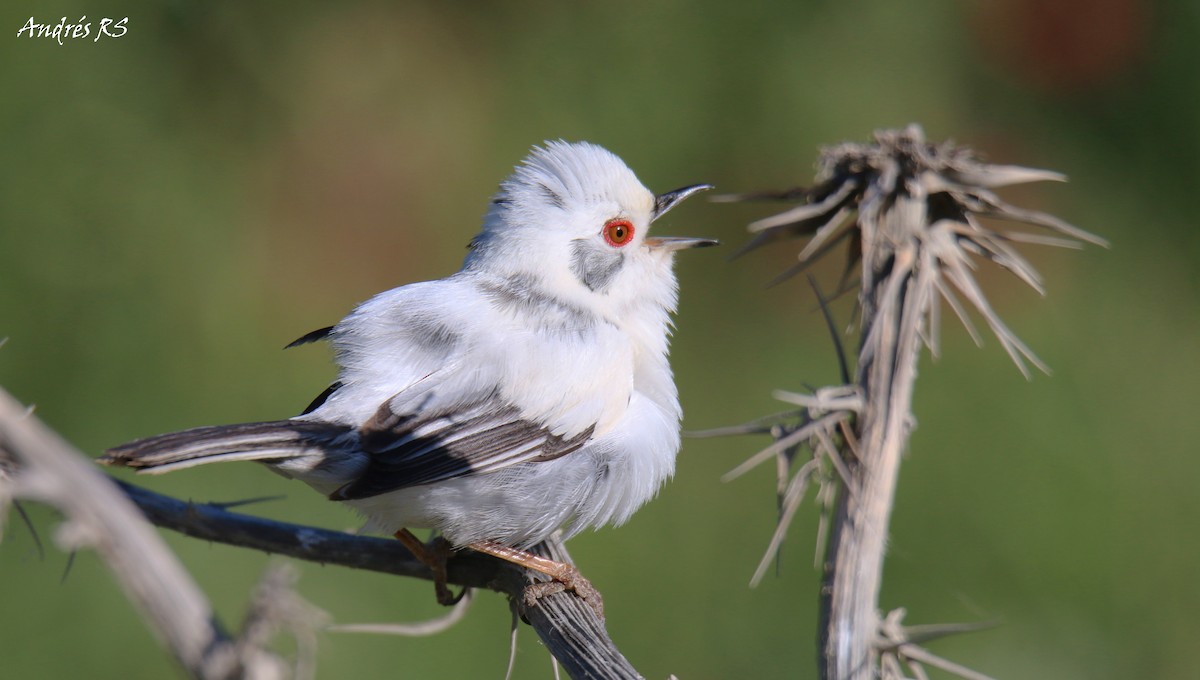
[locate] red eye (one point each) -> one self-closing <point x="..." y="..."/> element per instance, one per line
<point x="618" y="232"/>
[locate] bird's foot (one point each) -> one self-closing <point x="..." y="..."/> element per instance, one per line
<point x="434" y="555"/>
<point x="564" y="576"/>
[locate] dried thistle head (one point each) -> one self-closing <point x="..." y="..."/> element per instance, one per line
<point x="902" y="201"/>
<point x="917" y="218"/>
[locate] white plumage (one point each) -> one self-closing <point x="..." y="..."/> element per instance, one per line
<point x="527" y="392"/>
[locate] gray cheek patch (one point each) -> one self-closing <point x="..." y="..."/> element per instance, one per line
<point x="594" y="266"/>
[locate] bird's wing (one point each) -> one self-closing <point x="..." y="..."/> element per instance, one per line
<point x="424" y="447"/>
<point x="450" y="409"/>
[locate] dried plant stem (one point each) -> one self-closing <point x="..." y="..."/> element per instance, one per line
<point x="853" y="569"/>
<point x="49" y="470"/>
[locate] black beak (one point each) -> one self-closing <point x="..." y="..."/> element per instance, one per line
<point x="664" y="202"/>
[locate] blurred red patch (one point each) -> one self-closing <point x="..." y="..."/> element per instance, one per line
<point x="1075" y="45"/>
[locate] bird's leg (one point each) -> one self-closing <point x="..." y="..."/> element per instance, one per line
<point x="433" y="556"/>
<point x="566" y="576"/>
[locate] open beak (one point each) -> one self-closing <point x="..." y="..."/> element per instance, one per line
<point x="678" y="242"/>
<point x="663" y="203"/>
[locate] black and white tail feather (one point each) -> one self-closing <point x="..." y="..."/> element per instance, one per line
<point x="272" y="442"/>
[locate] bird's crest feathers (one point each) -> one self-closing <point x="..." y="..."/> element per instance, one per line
<point x="568" y="176"/>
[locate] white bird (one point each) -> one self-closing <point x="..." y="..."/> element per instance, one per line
<point x="526" y="393"/>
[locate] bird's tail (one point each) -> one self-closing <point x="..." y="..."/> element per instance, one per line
<point x="268" y="442"/>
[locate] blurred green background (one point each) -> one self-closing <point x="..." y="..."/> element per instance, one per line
<point x="179" y="203"/>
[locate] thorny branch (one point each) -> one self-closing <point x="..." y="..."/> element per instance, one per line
<point x="913" y="213"/>
<point x="40" y="466"/>
<point x="103" y="513"/>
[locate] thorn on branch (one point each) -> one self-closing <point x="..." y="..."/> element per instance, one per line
<point x="226" y="505"/>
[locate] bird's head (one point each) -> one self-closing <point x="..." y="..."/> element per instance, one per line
<point x="575" y="218"/>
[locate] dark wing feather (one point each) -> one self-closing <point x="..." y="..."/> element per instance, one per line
<point x="314" y="336"/>
<point x="321" y="398"/>
<point x="408" y="450"/>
